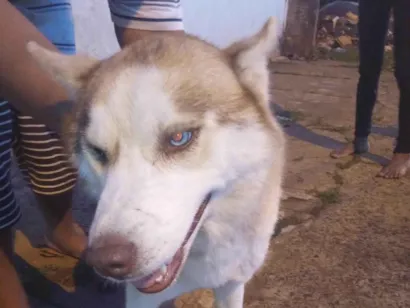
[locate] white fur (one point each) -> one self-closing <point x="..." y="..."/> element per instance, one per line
<point x="152" y="200"/>
<point x="154" y="204"/>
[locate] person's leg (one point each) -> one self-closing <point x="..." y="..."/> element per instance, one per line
<point x="11" y="291"/>
<point x="400" y="163"/>
<point x="39" y="150"/>
<point x="52" y="178"/>
<point x="373" y="25"/>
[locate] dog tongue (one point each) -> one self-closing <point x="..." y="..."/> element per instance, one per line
<point x="150" y="281"/>
<point x="161" y="278"/>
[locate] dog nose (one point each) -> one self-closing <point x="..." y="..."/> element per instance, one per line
<point x="112" y="256"/>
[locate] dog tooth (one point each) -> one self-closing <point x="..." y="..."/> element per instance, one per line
<point x="160" y="278"/>
<point x="163" y="269"/>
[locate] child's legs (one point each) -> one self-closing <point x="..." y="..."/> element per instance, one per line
<point x="48" y="171"/>
<point x="39" y="151"/>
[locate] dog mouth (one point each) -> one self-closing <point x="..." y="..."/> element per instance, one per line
<point x="163" y="277"/>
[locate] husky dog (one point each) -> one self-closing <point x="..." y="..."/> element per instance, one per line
<point x="175" y="138"/>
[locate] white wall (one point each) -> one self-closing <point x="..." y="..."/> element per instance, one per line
<point x="93" y="28"/>
<point x="218" y="21"/>
<point x="223" y="21"/>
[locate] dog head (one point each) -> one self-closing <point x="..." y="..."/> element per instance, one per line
<point x="159" y="130"/>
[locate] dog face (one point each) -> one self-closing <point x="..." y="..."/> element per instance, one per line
<point x="160" y="130"/>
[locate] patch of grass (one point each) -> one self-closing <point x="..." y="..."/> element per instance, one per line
<point x="351" y="55"/>
<point x="296" y="115"/>
<point x="330" y="196"/>
<point x="338" y="179"/>
<point x="388" y="62"/>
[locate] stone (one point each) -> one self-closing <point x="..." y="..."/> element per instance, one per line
<point x="338" y="26"/>
<point x="344" y="40"/>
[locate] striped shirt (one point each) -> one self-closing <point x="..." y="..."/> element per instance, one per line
<point x="9" y="211"/>
<point x="155" y="15"/>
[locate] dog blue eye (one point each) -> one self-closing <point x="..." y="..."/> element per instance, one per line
<point x="98" y="153"/>
<point x="180" y="139"/>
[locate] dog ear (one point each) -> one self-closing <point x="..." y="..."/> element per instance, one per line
<point x="68" y="70"/>
<point x="250" y="57"/>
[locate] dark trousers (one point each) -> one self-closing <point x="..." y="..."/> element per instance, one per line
<point x="373" y="25"/>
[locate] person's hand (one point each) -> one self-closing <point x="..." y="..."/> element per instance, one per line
<point x="126" y="36"/>
<point x="22" y="82"/>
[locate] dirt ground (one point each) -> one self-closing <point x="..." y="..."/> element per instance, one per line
<point x="344" y="235"/>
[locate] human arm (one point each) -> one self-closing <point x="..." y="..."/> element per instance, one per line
<point x="11" y="290"/>
<point x="22" y="81"/>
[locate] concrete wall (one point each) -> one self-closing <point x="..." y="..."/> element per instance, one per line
<point x="218" y="21"/>
<point x="223" y="21"/>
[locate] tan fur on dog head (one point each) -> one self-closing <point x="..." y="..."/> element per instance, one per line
<point x="83" y="76"/>
<point x="127" y="109"/>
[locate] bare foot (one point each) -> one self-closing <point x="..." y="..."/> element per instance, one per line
<point x="63" y="233"/>
<point x="346" y="150"/>
<point x="67" y="238"/>
<point x="397" y="168"/>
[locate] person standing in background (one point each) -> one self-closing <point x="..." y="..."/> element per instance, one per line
<point x="374" y="19"/>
